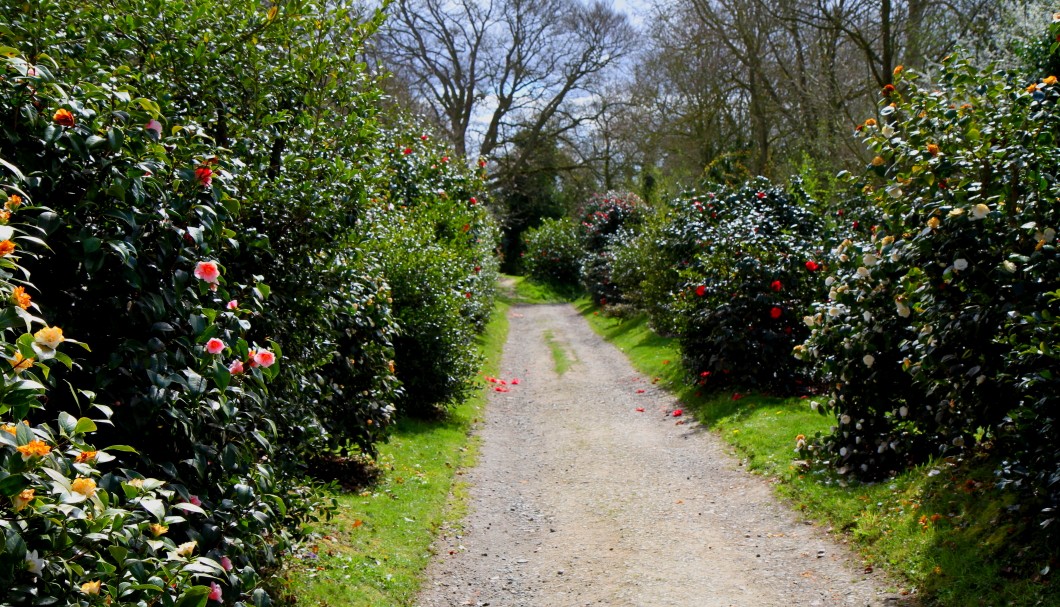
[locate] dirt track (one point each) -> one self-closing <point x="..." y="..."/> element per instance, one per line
<point x="578" y="499"/>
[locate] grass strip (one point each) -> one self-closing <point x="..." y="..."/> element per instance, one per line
<point x="560" y="359"/>
<point x="525" y="290"/>
<point x="942" y="527"/>
<point x="374" y="550"/>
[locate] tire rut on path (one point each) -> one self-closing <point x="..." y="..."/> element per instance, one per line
<point x="579" y="500"/>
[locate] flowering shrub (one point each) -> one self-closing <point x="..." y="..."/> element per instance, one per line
<point x="553" y="251"/>
<point x="434" y="242"/>
<point x="937" y="329"/>
<point x="743" y="291"/>
<point x="607" y="221"/>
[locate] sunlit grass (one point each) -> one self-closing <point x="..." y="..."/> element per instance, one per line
<point x="374" y="551"/>
<point x="941" y="528"/>
<point x="560" y="358"/>
<point x="525" y="290"/>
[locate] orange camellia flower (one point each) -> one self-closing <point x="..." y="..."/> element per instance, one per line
<point x="63" y="117"/>
<point x="20" y="501"/>
<point x="19" y="364"/>
<point x="933" y="149"/>
<point x="878" y="161"/>
<point x="156" y="529"/>
<point x="85" y="456"/>
<point x="13" y="202"/>
<point x="5" y="215"/>
<point x="1032" y="87"/>
<point x="1049" y="81"/>
<point x="6" y="248"/>
<point x="20" y="297"/>
<point x="84" y="486"/>
<point x="887" y="89"/>
<point x="898" y="70"/>
<point x="35" y="448"/>
<point x="933" y="223"/>
<point x="870" y="122"/>
<point x="9" y="428"/>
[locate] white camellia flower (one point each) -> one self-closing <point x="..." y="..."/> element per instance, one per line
<point x="869" y="259"/>
<point x="903" y="310"/>
<point x="844" y="258"/>
<point x="844" y="419"/>
<point x="863" y="272"/>
<point x="809" y="320"/>
<point x="894" y="191"/>
<point x="960" y="265"/>
<point x="867" y="316"/>
<point x="34" y="564"/>
<point x="843" y="452"/>
<point x="829" y="281"/>
<point x="869" y="360"/>
<point x="834" y="311"/>
<point x="1009" y="267"/>
<point x="980" y="211"/>
<point x="957" y="212"/>
<point x="887" y="131"/>
<point x="980" y="379"/>
<point x="903" y="411"/>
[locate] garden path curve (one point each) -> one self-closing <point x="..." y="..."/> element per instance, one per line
<point x="578" y="499"/>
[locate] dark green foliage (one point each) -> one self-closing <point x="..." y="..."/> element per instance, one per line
<point x="552" y="252"/>
<point x="608" y="222"/>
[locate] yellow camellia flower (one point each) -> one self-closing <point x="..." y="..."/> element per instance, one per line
<point x="933" y="223"/>
<point x="9" y="428"/>
<point x="35" y="448"/>
<point x="92" y="588"/>
<point x="20" y="501"/>
<point x="49" y="337"/>
<point x="187" y="548"/>
<point x="157" y="529"/>
<point x="136" y="482"/>
<point x="84" y="486"/>
<point x="20" y="363"/>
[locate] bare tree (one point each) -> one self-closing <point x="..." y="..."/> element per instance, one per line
<point x="489" y="69"/>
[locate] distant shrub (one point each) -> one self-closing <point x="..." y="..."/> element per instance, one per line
<point x="607" y="221"/>
<point x="552" y="252"/>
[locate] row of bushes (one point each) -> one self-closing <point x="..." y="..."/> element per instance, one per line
<point x="922" y="302"/>
<point x="204" y="194"/>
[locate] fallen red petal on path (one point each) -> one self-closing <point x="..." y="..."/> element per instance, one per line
<point x="640" y="391"/>
<point x="640" y="409"/>
<point x="678" y="413"/>
<point x="501" y="389"/>
<point x="515" y="381"/>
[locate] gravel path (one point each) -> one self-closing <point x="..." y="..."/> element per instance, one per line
<point x="578" y="499"/>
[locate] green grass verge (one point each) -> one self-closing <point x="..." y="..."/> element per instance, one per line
<point x="523" y="290"/>
<point x="941" y="528"/>
<point x="374" y="550"/>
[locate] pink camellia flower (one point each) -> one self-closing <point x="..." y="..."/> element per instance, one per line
<point x="194" y="500"/>
<point x="233" y="305"/>
<point x="264" y="358"/>
<point x="215" y="592"/>
<point x="154" y="126"/>
<point x="215" y="346"/>
<point x="226" y="563"/>
<point x="207" y="270"/>
<point x="236" y="367"/>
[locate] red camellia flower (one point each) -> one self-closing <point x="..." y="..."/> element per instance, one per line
<point x="204" y="175"/>
<point x="701" y="290"/>
<point x="678" y="413"/>
<point x="887" y="90"/>
<point x="776" y="313"/>
<point x="406" y="151"/>
<point x="760" y="195"/>
<point x="63" y="117"/>
<point x="812" y="266"/>
<point x="473" y="200"/>
<point x="776" y="286"/>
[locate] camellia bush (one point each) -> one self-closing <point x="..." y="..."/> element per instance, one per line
<point x="435" y="242"/>
<point x="936" y="334"/>
<point x="755" y="270"/>
<point x="553" y="251"/>
<point x="608" y="221"/>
